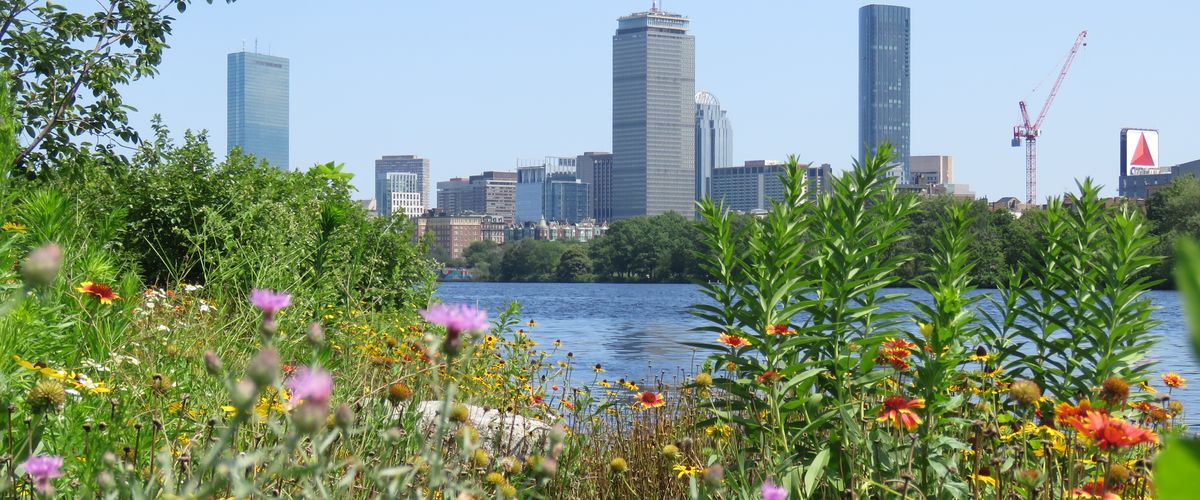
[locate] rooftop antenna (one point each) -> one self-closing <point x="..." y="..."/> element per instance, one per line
<point x="653" y="5"/>
<point x="256" y="45"/>
<point x="243" y="45"/>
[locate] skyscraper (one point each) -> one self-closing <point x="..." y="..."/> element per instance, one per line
<point x="258" y="106"/>
<point x="403" y="195"/>
<point x="401" y="163"/>
<point x="714" y="141"/>
<point x="654" y="87"/>
<point x="883" y="81"/>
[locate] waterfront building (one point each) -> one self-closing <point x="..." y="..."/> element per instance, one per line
<point x="585" y="230"/>
<point x="257" y="106"/>
<point x="1140" y="184"/>
<point x="595" y="169"/>
<point x="883" y="81"/>
<point x="654" y="87"/>
<point x="714" y="141"/>
<point x="401" y="163"/>
<point x="451" y="233"/>
<point x="489" y="193"/>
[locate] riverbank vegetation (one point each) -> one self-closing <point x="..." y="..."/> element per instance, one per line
<point x="661" y="249"/>
<point x="178" y="327"/>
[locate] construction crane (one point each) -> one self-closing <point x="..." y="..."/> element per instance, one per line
<point x="1030" y="131"/>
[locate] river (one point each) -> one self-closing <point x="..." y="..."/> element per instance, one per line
<point x="635" y="331"/>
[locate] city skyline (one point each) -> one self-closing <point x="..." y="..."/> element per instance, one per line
<point x="788" y="93"/>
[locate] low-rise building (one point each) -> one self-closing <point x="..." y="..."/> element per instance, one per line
<point x="755" y="184"/>
<point x="586" y="230"/>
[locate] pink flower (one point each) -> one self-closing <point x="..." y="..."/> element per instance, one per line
<point x="457" y="318"/>
<point x="43" y="469"/>
<point x="311" y="386"/>
<point x="772" y="492"/>
<point x="269" y="301"/>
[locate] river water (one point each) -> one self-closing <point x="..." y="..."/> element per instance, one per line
<point x="635" y="331"/>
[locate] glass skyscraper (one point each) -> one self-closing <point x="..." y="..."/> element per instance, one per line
<point x="883" y="81"/>
<point x="714" y="141"/>
<point x="258" y="106"/>
<point x="654" y="87"/>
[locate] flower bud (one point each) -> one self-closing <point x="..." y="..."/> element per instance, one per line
<point x="453" y="343"/>
<point x="269" y="328"/>
<point x="41" y="266"/>
<point x="106" y="481"/>
<point x="558" y="434"/>
<point x="316" y="335"/>
<point x="671" y="452"/>
<point x="618" y="466"/>
<point x="309" y="418"/>
<point x="714" y="476"/>
<point x="459" y="413"/>
<point x="344" y="417"/>
<point x="244" y="394"/>
<point x="398" y="393"/>
<point x="264" y="368"/>
<point x="212" y="364"/>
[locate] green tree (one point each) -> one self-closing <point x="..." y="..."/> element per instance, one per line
<point x="1174" y="214"/>
<point x="68" y="66"/>
<point x="574" y="266"/>
<point x="483" y="257"/>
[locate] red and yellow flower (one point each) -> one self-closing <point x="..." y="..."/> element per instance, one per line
<point x="1108" y="432"/>
<point x="651" y="400"/>
<point x="896" y="352"/>
<point x="769" y="377"/>
<point x="733" y="341"/>
<point x="780" y="329"/>
<point x="99" y="290"/>
<point x="900" y="412"/>
<point x="1174" y="380"/>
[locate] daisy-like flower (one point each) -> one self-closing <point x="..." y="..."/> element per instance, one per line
<point x="1109" y="432"/>
<point x="101" y="291"/>
<point x="269" y="301"/>
<point x="900" y="412"/>
<point x="1093" y="489"/>
<point x="779" y="330"/>
<point x="598" y="368"/>
<point x="457" y="318"/>
<point x="686" y="470"/>
<point x="310" y="385"/>
<point x="651" y="400"/>
<point x="1174" y="380"/>
<point x="13" y="227"/>
<point x="43" y="469"/>
<point x="733" y="341"/>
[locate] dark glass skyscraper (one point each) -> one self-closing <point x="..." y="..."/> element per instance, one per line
<point x="883" y="81"/>
<point x="654" y="87"/>
<point x="258" y="106"/>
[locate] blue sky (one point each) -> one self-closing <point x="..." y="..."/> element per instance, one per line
<point x="475" y="85"/>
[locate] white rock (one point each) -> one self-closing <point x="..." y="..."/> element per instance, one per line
<point x="499" y="433"/>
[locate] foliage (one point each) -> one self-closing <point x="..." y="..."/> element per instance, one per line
<point x="68" y="66"/>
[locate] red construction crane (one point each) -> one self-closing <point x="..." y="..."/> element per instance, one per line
<point x="1031" y="131"/>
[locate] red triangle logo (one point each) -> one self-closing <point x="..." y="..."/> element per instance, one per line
<point x="1141" y="155"/>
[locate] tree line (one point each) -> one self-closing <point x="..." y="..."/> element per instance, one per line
<point x="662" y="248"/>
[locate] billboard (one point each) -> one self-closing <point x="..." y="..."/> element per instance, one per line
<point x="1139" y="149"/>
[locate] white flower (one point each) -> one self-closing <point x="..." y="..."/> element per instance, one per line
<point x="163" y="328"/>
<point x="191" y="288"/>
<point x="206" y="307"/>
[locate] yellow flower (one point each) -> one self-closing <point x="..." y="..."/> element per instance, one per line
<point x="720" y="432"/>
<point x="686" y="470"/>
<point x="229" y="410"/>
<point x="1149" y="389"/>
<point x="926" y="329"/>
<point x="988" y="480"/>
<point x="13" y="227"/>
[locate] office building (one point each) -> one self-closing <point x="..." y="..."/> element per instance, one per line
<point x="489" y="193"/>
<point x="402" y="195"/>
<point x="883" y="82"/>
<point x="754" y="185"/>
<point x="595" y="169"/>
<point x="550" y="190"/>
<point x="257" y="112"/>
<point x="401" y="163"/>
<point x="714" y="141"/>
<point x="654" y="87"/>
<point x="931" y="169"/>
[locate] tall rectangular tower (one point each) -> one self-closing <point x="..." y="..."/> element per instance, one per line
<point x="258" y="106"/>
<point x="883" y="81"/>
<point x="654" y="87"/>
<point x="714" y="141"/>
<point x="401" y="163"/>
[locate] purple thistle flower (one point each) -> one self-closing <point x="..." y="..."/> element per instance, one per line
<point x="313" y="386"/>
<point x="43" y="469"/>
<point x="457" y="318"/>
<point x="269" y="301"/>
<point x="772" y="492"/>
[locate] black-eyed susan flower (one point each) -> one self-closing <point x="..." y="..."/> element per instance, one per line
<point x="101" y="291"/>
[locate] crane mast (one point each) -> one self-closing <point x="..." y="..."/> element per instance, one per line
<point x="1029" y="132"/>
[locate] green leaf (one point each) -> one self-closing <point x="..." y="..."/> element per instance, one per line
<point x="815" y="470"/>
<point x="1176" y="469"/>
<point x="1187" y="278"/>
